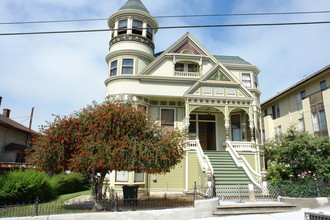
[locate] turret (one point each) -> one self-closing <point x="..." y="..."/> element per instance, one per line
<point x="132" y="39"/>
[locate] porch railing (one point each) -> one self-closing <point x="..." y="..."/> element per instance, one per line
<point x="187" y="74"/>
<point x="202" y="158"/>
<point x="243" y="146"/>
<point x="241" y="161"/>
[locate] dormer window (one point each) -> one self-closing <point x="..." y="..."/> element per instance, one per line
<point x="187" y="69"/>
<point x="122" y="27"/>
<point x="137" y="27"/>
<point x="127" y="66"/>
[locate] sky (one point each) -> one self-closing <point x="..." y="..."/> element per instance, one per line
<point x="60" y="73"/>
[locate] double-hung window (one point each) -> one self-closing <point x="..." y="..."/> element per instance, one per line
<point x="167" y="118"/>
<point x="137" y="27"/>
<point x="299" y="97"/>
<point x="113" y="68"/>
<point x="122" y="27"/>
<point x="276" y="111"/>
<point x="127" y="66"/>
<point x="179" y="67"/>
<point x="323" y="85"/>
<point x="246" y="79"/>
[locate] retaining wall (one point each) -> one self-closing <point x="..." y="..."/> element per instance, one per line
<point x="306" y="202"/>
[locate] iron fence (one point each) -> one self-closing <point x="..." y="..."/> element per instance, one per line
<point x="87" y="205"/>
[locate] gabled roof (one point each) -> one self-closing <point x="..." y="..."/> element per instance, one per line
<point x="9" y="123"/>
<point x="306" y="79"/>
<point x="135" y="5"/>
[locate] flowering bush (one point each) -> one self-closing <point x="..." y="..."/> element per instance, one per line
<point x="105" y="137"/>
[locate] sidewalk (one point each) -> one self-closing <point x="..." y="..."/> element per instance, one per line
<point x="297" y="215"/>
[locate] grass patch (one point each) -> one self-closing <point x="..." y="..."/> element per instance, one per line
<point x="72" y="195"/>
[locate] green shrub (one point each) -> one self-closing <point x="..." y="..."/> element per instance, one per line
<point x="25" y="186"/>
<point x="69" y="183"/>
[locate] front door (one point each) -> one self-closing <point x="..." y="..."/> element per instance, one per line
<point x="236" y="127"/>
<point x="207" y="136"/>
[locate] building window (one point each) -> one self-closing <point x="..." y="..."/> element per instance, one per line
<point x="246" y="79"/>
<point x="219" y="91"/>
<point x="149" y="32"/>
<point x="192" y="67"/>
<point x="323" y="85"/>
<point x="138" y="177"/>
<point x="113" y="68"/>
<point x="255" y="81"/>
<point x="207" y="90"/>
<point x="299" y="97"/>
<point x="265" y="112"/>
<point x="179" y="67"/>
<point x="301" y="124"/>
<point x="167" y="118"/>
<point x="231" y="91"/>
<point x="276" y="111"/>
<point x="278" y="132"/>
<point x="137" y="27"/>
<point x="128" y="65"/>
<point x="122" y="176"/>
<point x="122" y="27"/>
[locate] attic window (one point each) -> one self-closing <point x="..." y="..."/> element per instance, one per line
<point x="122" y="27"/>
<point x="137" y="27"/>
<point x="187" y="52"/>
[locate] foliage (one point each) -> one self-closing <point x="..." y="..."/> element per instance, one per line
<point x="296" y="152"/>
<point x="69" y="183"/>
<point x="25" y="186"/>
<point x="106" y="137"/>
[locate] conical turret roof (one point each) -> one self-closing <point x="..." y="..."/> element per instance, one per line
<point x="134" y="4"/>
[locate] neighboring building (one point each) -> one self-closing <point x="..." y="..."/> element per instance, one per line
<point x="215" y="97"/>
<point x="14" y="140"/>
<point x="305" y="105"/>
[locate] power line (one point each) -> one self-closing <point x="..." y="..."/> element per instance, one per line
<point x="172" y="16"/>
<point x="170" y="27"/>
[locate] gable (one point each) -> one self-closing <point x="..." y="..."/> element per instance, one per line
<point x="219" y="76"/>
<point x="187" y="48"/>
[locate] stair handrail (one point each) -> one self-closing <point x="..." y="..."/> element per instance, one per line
<point x="242" y="162"/>
<point x="202" y="158"/>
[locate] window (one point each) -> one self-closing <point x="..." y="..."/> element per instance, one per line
<point x="137" y="27"/>
<point x="149" y="32"/>
<point x="265" y="112"/>
<point x="231" y="91"/>
<point x="122" y="176"/>
<point x="167" y="118"/>
<point x="255" y="81"/>
<point x="219" y="91"/>
<point x="179" y="67"/>
<point x="246" y="79"/>
<point x="278" y="132"/>
<point x="138" y="177"/>
<point x="323" y="85"/>
<point x="192" y="67"/>
<point x="113" y="68"/>
<point x="301" y="124"/>
<point x="299" y="97"/>
<point x="192" y="127"/>
<point x="122" y="27"/>
<point x="319" y="121"/>
<point x="315" y="119"/>
<point x="127" y="66"/>
<point x="276" y="111"/>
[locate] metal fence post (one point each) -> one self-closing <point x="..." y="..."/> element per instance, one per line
<point x="195" y="191"/>
<point x="36" y="207"/>
<point x="116" y="202"/>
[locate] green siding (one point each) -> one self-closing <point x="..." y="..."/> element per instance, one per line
<point x="251" y="159"/>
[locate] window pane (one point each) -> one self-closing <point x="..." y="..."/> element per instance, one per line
<point x="207" y="90"/>
<point x="167" y="117"/>
<point x="246" y="76"/>
<point x="113" y="72"/>
<point x="114" y="64"/>
<point x="179" y="67"/>
<point x="192" y="68"/>
<point x="127" y="62"/>
<point x="122" y="24"/>
<point x="323" y="85"/>
<point x="137" y="24"/>
<point x="127" y="70"/>
<point x="219" y="91"/>
<point x="323" y="121"/>
<point x="121" y="176"/>
<point x="315" y="119"/>
<point x="192" y="127"/>
<point x="138" y="177"/>
<point x="231" y="91"/>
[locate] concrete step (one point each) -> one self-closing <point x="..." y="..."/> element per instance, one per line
<point x="254" y="208"/>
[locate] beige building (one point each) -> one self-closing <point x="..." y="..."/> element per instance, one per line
<point x="305" y="105"/>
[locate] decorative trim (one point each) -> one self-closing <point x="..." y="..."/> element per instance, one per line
<point x="218" y="101"/>
<point x="128" y="37"/>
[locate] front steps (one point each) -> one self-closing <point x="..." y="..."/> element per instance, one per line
<point x="253" y="208"/>
<point x="226" y="172"/>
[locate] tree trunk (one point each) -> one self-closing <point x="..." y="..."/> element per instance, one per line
<point x="97" y="186"/>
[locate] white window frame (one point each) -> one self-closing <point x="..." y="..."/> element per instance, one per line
<point x="114" y="68"/>
<point x="127" y="66"/>
<point x="174" y="122"/>
<point x="247" y="82"/>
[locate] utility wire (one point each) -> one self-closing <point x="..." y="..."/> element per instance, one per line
<point x="172" y="16"/>
<point x="170" y="27"/>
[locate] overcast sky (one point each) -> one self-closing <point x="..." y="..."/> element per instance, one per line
<point x="58" y="74"/>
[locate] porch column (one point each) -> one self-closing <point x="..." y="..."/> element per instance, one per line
<point x="187" y="117"/>
<point x="251" y="125"/>
<point x="227" y="126"/>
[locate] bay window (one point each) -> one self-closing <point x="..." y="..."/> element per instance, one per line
<point x="113" y="68"/>
<point x="246" y="79"/>
<point x="137" y="27"/>
<point x="127" y="66"/>
<point x="122" y="27"/>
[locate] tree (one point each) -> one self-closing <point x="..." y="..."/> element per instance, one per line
<point x="297" y="152"/>
<point x="105" y="137"/>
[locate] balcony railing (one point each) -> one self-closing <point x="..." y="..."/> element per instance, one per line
<point x="187" y="74"/>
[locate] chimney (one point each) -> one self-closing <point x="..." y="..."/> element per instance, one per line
<point x="6" y="112"/>
<point x="0" y="100"/>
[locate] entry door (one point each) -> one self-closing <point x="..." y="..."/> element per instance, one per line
<point x="236" y="127"/>
<point x="207" y="136"/>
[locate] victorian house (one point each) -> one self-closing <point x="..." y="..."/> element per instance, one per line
<point x="215" y="97"/>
